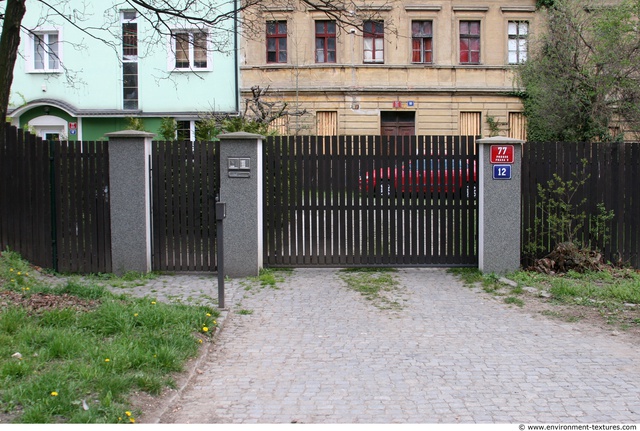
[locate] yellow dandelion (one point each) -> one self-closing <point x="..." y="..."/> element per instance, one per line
<point x="205" y="329"/>
<point x="12" y="280"/>
<point x="54" y="394"/>
<point x="11" y="270"/>
<point x="132" y="420"/>
<point x="135" y="314"/>
<point x="107" y="360"/>
<point x="153" y="302"/>
<point x="208" y="314"/>
<point x="119" y="419"/>
<point x="27" y="288"/>
<point x="199" y="341"/>
<point x="215" y="323"/>
<point x="128" y="413"/>
<point x="19" y="273"/>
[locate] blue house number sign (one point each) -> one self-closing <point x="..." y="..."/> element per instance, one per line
<point x="501" y="172"/>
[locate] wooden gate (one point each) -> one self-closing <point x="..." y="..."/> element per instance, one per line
<point x="369" y="201"/>
<point x="184" y="185"/>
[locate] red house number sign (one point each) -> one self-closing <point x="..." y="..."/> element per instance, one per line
<point x="502" y="154"/>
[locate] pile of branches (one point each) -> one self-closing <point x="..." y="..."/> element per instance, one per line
<point x="567" y="256"/>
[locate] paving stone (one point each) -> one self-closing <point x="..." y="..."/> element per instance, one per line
<point x="316" y="352"/>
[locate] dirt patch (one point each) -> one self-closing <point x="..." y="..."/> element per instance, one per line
<point x="44" y="301"/>
<point x="622" y="321"/>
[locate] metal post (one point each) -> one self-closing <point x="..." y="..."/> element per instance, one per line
<point x="221" y="213"/>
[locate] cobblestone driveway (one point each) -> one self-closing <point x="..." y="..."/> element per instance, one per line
<point x="313" y="351"/>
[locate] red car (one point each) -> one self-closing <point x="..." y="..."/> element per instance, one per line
<point x="432" y="177"/>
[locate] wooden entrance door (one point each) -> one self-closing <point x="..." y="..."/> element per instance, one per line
<point x="397" y="123"/>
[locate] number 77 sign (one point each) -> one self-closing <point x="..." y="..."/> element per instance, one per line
<point x="502" y="153"/>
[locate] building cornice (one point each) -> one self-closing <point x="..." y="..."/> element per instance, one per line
<point x="393" y="90"/>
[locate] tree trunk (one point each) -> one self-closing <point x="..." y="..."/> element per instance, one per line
<point x="9" y="43"/>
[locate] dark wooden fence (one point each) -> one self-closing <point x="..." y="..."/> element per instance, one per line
<point x="54" y="202"/>
<point x="370" y="201"/>
<point x="612" y="171"/>
<point x="184" y="183"/>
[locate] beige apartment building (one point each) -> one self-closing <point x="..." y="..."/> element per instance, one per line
<point x="407" y="67"/>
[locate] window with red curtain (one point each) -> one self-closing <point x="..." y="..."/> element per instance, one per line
<point x="469" y="42"/>
<point x="422" y="42"/>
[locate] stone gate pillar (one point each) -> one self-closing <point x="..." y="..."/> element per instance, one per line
<point x="499" y="207"/>
<point x="241" y="191"/>
<point x="129" y="199"/>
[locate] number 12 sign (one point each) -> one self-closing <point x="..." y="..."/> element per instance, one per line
<point x="501" y="172"/>
<point x="502" y="153"/>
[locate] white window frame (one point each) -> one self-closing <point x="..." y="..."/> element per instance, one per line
<point x="192" y="128"/>
<point x="373" y="46"/>
<point x="123" y="20"/>
<point x="30" y="56"/>
<point x="521" y="41"/>
<point x="171" y="60"/>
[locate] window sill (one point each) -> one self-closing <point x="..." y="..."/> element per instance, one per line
<point x="192" y="70"/>
<point x="44" y="72"/>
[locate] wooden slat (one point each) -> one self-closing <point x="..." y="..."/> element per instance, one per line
<point x="324" y="178"/>
<point x="271" y="229"/>
<point x="199" y="206"/>
<point x="103" y="220"/>
<point x="288" y="192"/>
<point x="89" y="204"/>
<point x="298" y="254"/>
<point x="157" y="196"/>
<point x="633" y="251"/>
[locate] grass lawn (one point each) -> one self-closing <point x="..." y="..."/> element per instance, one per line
<point x="74" y="353"/>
